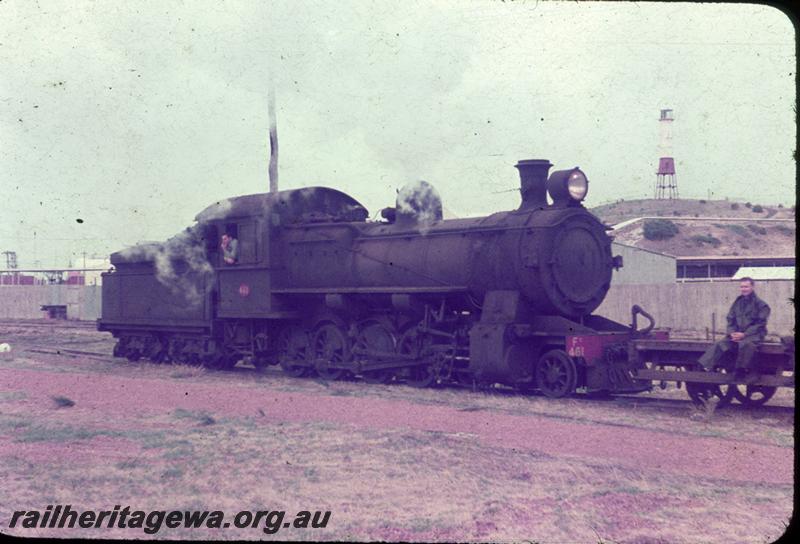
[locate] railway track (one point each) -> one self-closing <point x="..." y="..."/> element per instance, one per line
<point x="51" y="323"/>
<point x="69" y="353"/>
<point x="633" y="401"/>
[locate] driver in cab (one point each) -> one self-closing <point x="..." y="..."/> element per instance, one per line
<point x="230" y="249"/>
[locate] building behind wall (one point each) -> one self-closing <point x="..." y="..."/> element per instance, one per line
<point x="715" y="267"/>
<point x="642" y="266"/>
<point x="696" y="305"/>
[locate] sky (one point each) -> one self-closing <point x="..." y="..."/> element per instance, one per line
<point x="133" y="116"/>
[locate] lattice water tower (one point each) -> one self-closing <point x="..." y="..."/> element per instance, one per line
<point x="666" y="182"/>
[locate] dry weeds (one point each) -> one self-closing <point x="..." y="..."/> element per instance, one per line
<point x="381" y="483"/>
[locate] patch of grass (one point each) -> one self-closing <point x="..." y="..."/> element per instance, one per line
<point x="203" y="418"/>
<point x="786" y="231"/>
<point x="419" y="525"/>
<point x="179" y="453"/>
<point x="12" y="424"/>
<point x="660" y="229"/>
<point x="42" y="433"/>
<point x="9" y="396"/>
<point x="629" y="490"/>
<point x="187" y="371"/>
<point x="341" y="393"/>
<point x="173" y="472"/>
<point x="737" y="229"/>
<point x="159" y="440"/>
<point x="63" y="402"/>
<point x="129" y="464"/>
<point x="207" y="420"/>
<point x="701" y="239"/>
<point x="757" y="229"/>
<point x="180" y="413"/>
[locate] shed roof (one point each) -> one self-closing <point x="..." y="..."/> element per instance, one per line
<point x="765" y="273"/>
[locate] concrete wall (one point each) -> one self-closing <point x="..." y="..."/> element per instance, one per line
<point x="680" y="306"/>
<point x="641" y="266"/>
<point x="689" y="306"/>
<point x="25" y="301"/>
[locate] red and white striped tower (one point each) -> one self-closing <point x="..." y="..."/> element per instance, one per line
<point x="666" y="182"/>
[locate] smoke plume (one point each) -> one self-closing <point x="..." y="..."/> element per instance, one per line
<point x="420" y="202"/>
<point x="180" y="264"/>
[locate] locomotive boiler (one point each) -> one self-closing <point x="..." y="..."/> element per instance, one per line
<point x="317" y="288"/>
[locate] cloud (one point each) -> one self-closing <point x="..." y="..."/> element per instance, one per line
<point x="163" y="108"/>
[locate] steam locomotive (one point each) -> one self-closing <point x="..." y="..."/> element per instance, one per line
<point x="317" y="288"/>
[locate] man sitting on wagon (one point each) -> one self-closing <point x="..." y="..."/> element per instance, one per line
<point x="747" y="327"/>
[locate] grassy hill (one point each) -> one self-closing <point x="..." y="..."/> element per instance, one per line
<point x="700" y="228"/>
<point x="622" y="210"/>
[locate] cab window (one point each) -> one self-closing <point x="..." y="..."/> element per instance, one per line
<point x="247" y="242"/>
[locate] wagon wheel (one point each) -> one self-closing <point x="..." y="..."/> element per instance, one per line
<point x="754" y="395"/>
<point x="133" y="354"/>
<point x="292" y="346"/>
<point x="155" y="350"/>
<point x="418" y="346"/>
<point x="700" y="393"/>
<point x="556" y="374"/>
<point x="376" y="335"/>
<point x="119" y="349"/>
<point x="330" y="346"/>
<point x="220" y="360"/>
<point x="421" y="376"/>
<point x="175" y="352"/>
<point x="466" y="379"/>
<point x="261" y="354"/>
<point x="193" y="359"/>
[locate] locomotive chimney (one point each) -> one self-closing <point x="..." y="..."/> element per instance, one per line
<point x="533" y="182"/>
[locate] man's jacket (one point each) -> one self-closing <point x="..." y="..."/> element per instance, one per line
<point x="749" y="315"/>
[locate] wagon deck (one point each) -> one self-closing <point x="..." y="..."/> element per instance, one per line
<point x="664" y="361"/>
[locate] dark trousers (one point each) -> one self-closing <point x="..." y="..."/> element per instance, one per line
<point x="745" y="350"/>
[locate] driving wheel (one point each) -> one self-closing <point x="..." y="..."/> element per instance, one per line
<point x="292" y="347"/>
<point x="375" y="336"/>
<point x="413" y="344"/>
<point x="330" y="350"/>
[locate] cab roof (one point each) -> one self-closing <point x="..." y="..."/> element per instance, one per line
<point x="310" y="204"/>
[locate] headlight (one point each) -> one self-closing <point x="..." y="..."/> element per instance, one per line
<point x="577" y="185"/>
<point x="567" y="186"/>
